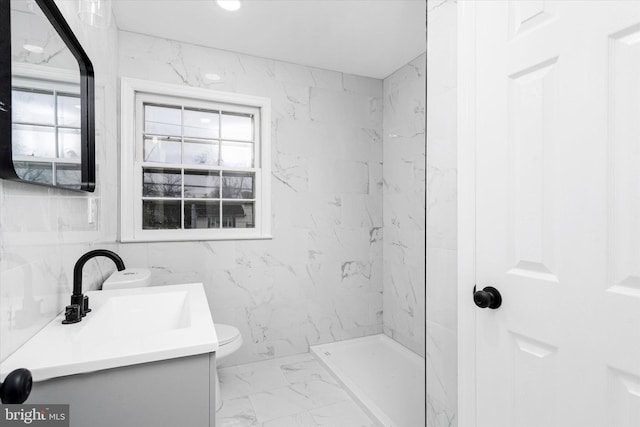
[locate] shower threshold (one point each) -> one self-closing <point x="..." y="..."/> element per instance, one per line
<point x="384" y="377"/>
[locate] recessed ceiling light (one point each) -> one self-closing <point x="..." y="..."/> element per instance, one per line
<point x="33" y="48"/>
<point x="213" y="76"/>
<point x="229" y="4"/>
<point x="205" y="120"/>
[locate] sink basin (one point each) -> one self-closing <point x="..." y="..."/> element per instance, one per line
<point x="125" y="327"/>
<point x="136" y="315"/>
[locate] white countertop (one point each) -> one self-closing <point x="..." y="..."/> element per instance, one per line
<point x="125" y="327"/>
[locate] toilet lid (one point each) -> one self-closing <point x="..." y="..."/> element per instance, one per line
<point x="226" y="333"/>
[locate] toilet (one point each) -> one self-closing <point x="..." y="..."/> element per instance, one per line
<point x="229" y="340"/>
<point x="128" y="278"/>
<point x="229" y="337"/>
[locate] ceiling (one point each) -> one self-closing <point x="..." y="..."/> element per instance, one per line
<point x="370" y="38"/>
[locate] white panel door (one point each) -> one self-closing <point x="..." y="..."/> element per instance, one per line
<point x="556" y="132"/>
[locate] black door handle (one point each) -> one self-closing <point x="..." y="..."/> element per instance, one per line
<point x="489" y="297"/>
<point x="16" y="387"/>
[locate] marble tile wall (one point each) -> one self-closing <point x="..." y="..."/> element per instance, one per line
<point x="320" y="278"/>
<point x="404" y="205"/>
<point x="441" y="214"/>
<point x="43" y="231"/>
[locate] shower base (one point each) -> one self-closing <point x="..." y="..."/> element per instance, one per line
<point x="385" y="378"/>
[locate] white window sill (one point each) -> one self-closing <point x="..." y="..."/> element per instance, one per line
<point x="150" y="238"/>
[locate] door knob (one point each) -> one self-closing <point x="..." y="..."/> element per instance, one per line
<point x="489" y="297"/>
<point x="16" y="387"/>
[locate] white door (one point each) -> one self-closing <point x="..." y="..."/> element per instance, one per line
<point x="551" y="128"/>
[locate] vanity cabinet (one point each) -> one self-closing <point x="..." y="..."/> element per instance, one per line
<point x="166" y="393"/>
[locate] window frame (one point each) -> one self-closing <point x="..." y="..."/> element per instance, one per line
<point x="133" y="93"/>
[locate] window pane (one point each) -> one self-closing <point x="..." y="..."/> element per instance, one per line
<point x="201" y="214"/>
<point x="201" y="153"/>
<point x="68" y="175"/>
<point x="161" y="183"/>
<point x="162" y="120"/>
<point x="37" y="141"/>
<point x="163" y="150"/>
<point x="160" y="214"/>
<point x="32" y="107"/>
<point x="237" y="215"/>
<point x="237" y="185"/>
<point x="237" y="126"/>
<point x="201" y="124"/>
<point x="69" y="143"/>
<point x="237" y="154"/>
<point x="35" y="172"/>
<point x="201" y="184"/>
<point x="68" y="111"/>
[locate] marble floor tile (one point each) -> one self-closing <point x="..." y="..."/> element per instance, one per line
<point x="231" y="384"/>
<point x="293" y="391"/>
<point x="303" y="419"/>
<point x="251" y="378"/>
<point x="236" y="413"/>
<point x="306" y="371"/>
<point x="320" y="393"/>
<point x="341" y="414"/>
<point x="295" y="398"/>
<point x="276" y="361"/>
<point x="279" y="403"/>
<point x="292" y="359"/>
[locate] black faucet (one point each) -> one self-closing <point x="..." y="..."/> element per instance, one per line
<point x="80" y="303"/>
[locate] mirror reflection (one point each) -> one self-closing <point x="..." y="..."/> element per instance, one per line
<point x="46" y="108"/>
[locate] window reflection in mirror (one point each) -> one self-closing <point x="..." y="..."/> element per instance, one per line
<point x="51" y="123"/>
<point x="45" y="117"/>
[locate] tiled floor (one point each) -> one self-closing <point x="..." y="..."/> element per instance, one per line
<point x="293" y="391"/>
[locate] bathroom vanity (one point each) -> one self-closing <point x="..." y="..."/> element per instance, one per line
<point x="167" y="393"/>
<point x="142" y="357"/>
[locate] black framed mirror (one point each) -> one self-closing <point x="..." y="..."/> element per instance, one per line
<point x="47" y="104"/>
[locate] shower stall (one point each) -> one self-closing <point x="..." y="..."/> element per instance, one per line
<point x="386" y="373"/>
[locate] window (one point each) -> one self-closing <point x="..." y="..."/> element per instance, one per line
<point x="46" y="137"/>
<point x="195" y="164"/>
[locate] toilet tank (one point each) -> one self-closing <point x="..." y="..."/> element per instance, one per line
<point x="128" y="278"/>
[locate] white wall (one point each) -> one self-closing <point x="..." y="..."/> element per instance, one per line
<point x="441" y="214"/>
<point x="404" y="205"/>
<point x="320" y="278"/>
<point x="43" y="231"/>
